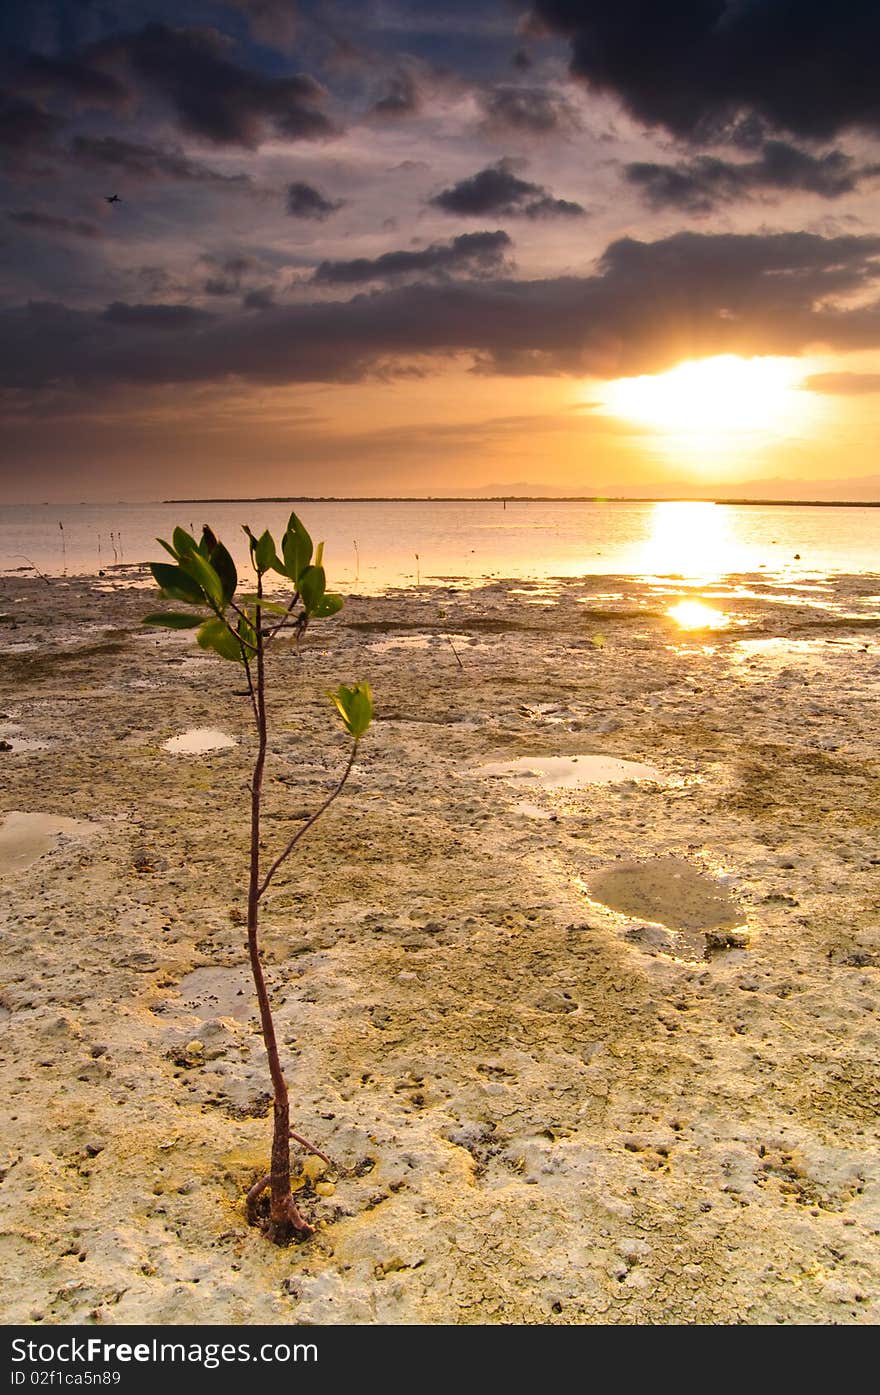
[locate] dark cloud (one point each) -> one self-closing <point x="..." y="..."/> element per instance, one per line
<point x="51" y="223"/>
<point x="149" y="317"/>
<point x="497" y="190"/>
<point x="646" y="306"/>
<point x="400" y="98"/>
<point x="699" y="67"/>
<point x="213" y="95"/>
<point x="140" y="161"/>
<point x="46" y="76"/>
<point x="701" y="184"/>
<point x="844" y="384"/>
<point x="230" y="272"/>
<point x="471" y="254"/>
<point x="305" y="201"/>
<point x="258" y="300"/>
<point x="536" y="111"/>
<point x="25" y="126"/>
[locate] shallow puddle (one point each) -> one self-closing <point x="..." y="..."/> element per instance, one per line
<point x="668" y="891"/>
<point x="760" y="657"/>
<point x="418" y="641"/>
<point x="13" y="744"/>
<point x="568" y="772"/>
<point x="197" y="740"/>
<point x="208" y="993"/>
<point x="25" y="837"/>
<point x="533" y="811"/>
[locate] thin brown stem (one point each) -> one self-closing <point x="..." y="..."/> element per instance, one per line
<point x="282" y="1208"/>
<point x="284" y="619"/>
<point x="455" y="652"/>
<point x="250" y="683"/>
<point x="283" y="856"/>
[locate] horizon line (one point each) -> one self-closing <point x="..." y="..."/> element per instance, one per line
<point x="520" y="498"/>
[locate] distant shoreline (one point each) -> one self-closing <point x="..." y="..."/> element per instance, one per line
<point x="529" y="499"/>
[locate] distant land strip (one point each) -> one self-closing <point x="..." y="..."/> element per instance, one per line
<point x="529" y="499"/>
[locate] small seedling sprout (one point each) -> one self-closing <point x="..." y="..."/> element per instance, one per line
<point x="240" y="627"/>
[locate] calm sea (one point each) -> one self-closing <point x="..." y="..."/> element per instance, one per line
<point x="375" y="544"/>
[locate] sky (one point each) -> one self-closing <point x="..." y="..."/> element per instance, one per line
<point x="439" y="247"/>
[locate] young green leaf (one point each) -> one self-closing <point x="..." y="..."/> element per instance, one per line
<point x="264" y="552"/>
<point x="174" y="620"/>
<point x="247" y="632"/>
<point x="355" y="707"/>
<point x="224" y="566"/>
<point x="168" y="548"/>
<point x="296" y="549"/>
<point x="214" y="635"/>
<point x="328" y="605"/>
<point x="183" y="542"/>
<point x="311" y="587"/>
<point x="273" y="607"/>
<point x="176" y="584"/>
<point x="204" y="574"/>
<point x="319" y="555"/>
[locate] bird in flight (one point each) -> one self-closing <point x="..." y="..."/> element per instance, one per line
<point x="111" y="198"/>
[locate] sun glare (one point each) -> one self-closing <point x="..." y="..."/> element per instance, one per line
<point x="693" y="540"/>
<point x="694" y="615"/>
<point x="715" y="401"/>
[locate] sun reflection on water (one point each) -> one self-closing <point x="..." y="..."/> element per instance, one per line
<point x="694" y="615"/>
<point x="694" y="541"/>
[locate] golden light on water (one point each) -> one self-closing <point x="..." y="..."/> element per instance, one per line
<point x="694" y="540"/>
<point x="694" y="615"/>
<point x="719" y="406"/>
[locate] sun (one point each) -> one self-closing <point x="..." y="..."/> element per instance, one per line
<point x="713" y="399"/>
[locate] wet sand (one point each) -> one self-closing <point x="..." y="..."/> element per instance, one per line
<point x="541" y="1107"/>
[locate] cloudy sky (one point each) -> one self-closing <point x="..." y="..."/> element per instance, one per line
<point x="405" y="246"/>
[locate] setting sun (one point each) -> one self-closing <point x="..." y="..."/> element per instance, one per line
<point x="704" y="399"/>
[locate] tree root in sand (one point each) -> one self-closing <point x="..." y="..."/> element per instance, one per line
<point x="291" y="1222"/>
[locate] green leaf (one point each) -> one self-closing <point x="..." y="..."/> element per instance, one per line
<point x="204" y="574"/>
<point x="224" y="566"/>
<point x="264" y="552"/>
<point x="176" y="584"/>
<point x="167" y="547"/>
<point x="247" y="631"/>
<point x="311" y="587"/>
<point x="328" y="605"/>
<point x="215" y="635"/>
<point x="355" y="707"/>
<point x="273" y="607"/>
<point x="296" y="548"/>
<point x="174" y="620"/>
<point x="183" y="542"/>
<point x="319" y="555"/>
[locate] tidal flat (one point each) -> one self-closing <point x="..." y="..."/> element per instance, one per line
<point x="540" y="1107"/>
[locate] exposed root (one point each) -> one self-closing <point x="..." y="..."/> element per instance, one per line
<point x="311" y="1147"/>
<point x="250" y="1201"/>
<point x="296" y="1218"/>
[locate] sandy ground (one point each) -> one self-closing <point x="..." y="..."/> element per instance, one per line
<point x="540" y="1109"/>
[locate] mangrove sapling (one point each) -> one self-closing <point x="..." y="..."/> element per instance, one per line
<point x="241" y="627"/>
